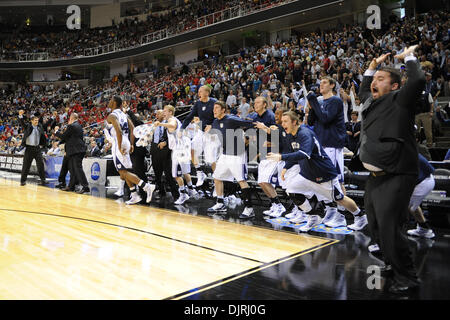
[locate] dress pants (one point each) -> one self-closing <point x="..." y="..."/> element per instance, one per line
<point x="76" y="171"/>
<point x="162" y="163"/>
<point x="32" y="152"/>
<point x="425" y="120"/>
<point x="64" y="170"/>
<point x="386" y="201"/>
<point x="140" y="169"/>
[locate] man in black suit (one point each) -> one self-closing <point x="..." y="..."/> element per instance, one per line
<point x="388" y="150"/>
<point x="162" y="159"/>
<point x="34" y="140"/>
<point x="75" y="151"/>
<point x="95" y="150"/>
<point x="353" y="131"/>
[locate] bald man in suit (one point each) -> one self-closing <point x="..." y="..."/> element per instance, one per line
<point x="75" y="151"/>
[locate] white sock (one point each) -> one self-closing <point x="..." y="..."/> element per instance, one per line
<point x="305" y="206"/>
<point x="358" y="210"/>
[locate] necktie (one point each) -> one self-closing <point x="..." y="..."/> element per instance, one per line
<point x="158" y="134"/>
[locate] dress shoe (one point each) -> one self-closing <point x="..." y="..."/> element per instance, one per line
<point x="43" y="183"/>
<point x="23" y="183"/>
<point x="60" y="185"/>
<point x="84" y="190"/>
<point x="397" y="288"/>
<point x="68" y="189"/>
<point x="386" y="271"/>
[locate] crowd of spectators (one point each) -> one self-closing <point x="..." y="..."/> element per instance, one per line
<point x="61" y="43"/>
<point x="278" y="71"/>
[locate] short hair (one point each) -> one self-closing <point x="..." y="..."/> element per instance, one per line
<point x="265" y="100"/>
<point x="395" y="75"/>
<point x="292" y="115"/>
<point x="118" y="101"/>
<point x="331" y="80"/>
<point x="222" y="104"/>
<point x="354" y="112"/>
<point x="207" y="88"/>
<point x="170" y="107"/>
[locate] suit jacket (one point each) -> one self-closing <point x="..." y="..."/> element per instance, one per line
<point x="387" y="131"/>
<point x="73" y="139"/>
<point x="29" y="129"/>
<point x="95" y="152"/>
<point x="154" y="150"/>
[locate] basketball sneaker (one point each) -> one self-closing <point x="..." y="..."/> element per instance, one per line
<point x="330" y="214"/>
<point x="193" y="194"/>
<point x="278" y="211"/>
<point x="359" y="223"/>
<point x="201" y="176"/>
<point x="119" y="193"/>
<point x="218" y="207"/>
<point x="300" y="217"/>
<point x="338" y="220"/>
<point x="182" y="199"/>
<point x="293" y="213"/>
<point x="268" y="212"/>
<point x="421" y="232"/>
<point x="313" y="221"/>
<point x="247" y="213"/>
<point x="149" y="188"/>
<point x="135" y="198"/>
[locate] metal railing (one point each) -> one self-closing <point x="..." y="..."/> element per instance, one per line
<point x="178" y="29"/>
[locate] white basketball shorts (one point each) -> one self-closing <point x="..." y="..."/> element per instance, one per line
<point x="230" y="167"/>
<point x="420" y="192"/>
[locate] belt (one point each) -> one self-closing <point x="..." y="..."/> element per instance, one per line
<point x="377" y="173"/>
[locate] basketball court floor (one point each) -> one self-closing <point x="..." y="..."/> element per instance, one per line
<point x="57" y="245"/>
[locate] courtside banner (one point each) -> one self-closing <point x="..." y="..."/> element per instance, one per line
<point x="95" y="170"/>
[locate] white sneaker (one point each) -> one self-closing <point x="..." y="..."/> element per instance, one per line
<point x="337" y="221"/>
<point x="149" y="188"/>
<point x="193" y="193"/>
<point x="268" y="212"/>
<point x="135" y="198"/>
<point x="359" y="223"/>
<point x="300" y="217"/>
<point x="330" y="214"/>
<point x="234" y="200"/>
<point x="293" y="213"/>
<point x="279" y="210"/>
<point x="201" y="176"/>
<point x="182" y="199"/>
<point x="313" y="220"/>
<point x="247" y="213"/>
<point x="218" y="207"/>
<point x="421" y="232"/>
<point x="119" y="193"/>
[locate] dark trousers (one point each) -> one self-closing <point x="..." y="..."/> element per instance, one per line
<point x="140" y="169"/>
<point x="31" y="153"/>
<point x="162" y="163"/>
<point x="64" y="170"/>
<point x="386" y="201"/>
<point x="76" y="171"/>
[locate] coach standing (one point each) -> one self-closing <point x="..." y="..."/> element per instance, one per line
<point x="33" y="139"/>
<point x="75" y="151"/>
<point x="388" y="150"/>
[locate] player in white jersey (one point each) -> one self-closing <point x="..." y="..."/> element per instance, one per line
<point x="180" y="145"/>
<point x="120" y="131"/>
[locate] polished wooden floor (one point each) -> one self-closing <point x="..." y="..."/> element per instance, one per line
<point x="59" y="245"/>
